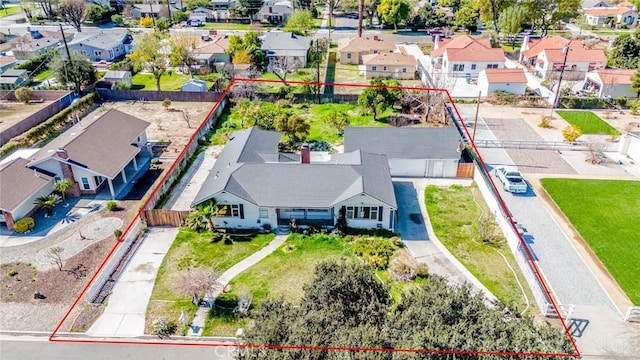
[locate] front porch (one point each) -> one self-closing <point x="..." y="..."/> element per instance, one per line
<point x="118" y="187"/>
<point x="305" y="217"/>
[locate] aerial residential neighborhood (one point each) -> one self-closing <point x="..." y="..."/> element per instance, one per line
<point x="244" y="179"/>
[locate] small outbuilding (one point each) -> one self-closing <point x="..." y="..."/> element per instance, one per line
<point x="512" y="81"/>
<point x="194" y="85"/>
<point x="114" y="77"/>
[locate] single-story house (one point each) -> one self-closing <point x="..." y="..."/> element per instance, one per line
<point x="394" y="65"/>
<point x="223" y="4"/>
<point x="411" y="151"/>
<point x="275" y="12"/>
<point x="211" y="51"/>
<point x="513" y="81"/>
<point x="254" y="186"/>
<point x="20" y="187"/>
<point x="36" y="42"/>
<point x="465" y="56"/>
<point x="102" y="46"/>
<point x="7" y="62"/>
<point x="114" y="77"/>
<point x="201" y="14"/>
<point x="613" y="83"/>
<point x="624" y="13"/>
<point x="547" y="55"/>
<point x="590" y="4"/>
<point x="110" y="150"/>
<point x="194" y="85"/>
<point x="351" y="50"/>
<point x="153" y="10"/>
<point x="13" y="79"/>
<point x="630" y="145"/>
<point x="286" y="47"/>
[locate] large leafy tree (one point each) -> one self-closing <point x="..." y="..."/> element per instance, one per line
<point x="467" y="17"/>
<point x="490" y="10"/>
<point x="74" y="12"/>
<point x="625" y="51"/>
<point x="183" y="45"/>
<point x="426" y="17"/>
<point x="249" y="7"/>
<point x="147" y="55"/>
<point x="294" y="126"/>
<point x="510" y="21"/>
<point x="75" y="71"/>
<point x="369" y="11"/>
<point x="300" y="22"/>
<point x="544" y="13"/>
<point x="251" y="44"/>
<point x="394" y="11"/>
<point x="454" y="5"/>
<point x="635" y="83"/>
<point x="379" y="96"/>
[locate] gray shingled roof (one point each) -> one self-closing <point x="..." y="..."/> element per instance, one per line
<point x="278" y="40"/>
<point x="103" y="145"/>
<point x="404" y="143"/>
<point x="99" y="40"/>
<point x="18" y="183"/>
<point x="289" y="183"/>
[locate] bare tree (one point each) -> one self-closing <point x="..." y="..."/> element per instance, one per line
<point x="186" y="116"/>
<point x="55" y="254"/>
<point x="47" y="7"/>
<point x="282" y="65"/>
<point x="198" y="281"/>
<point x="595" y="151"/>
<point x="74" y="12"/>
<point x="244" y="90"/>
<point x="183" y="46"/>
<point x="429" y="106"/>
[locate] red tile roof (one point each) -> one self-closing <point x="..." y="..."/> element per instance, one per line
<point x="467" y="48"/>
<point x="616" y="76"/>
<point x="577" y="53"/>
<point x="603" y="12"/>
<point x="506" y="75"/>
<point x="547" y="42"/>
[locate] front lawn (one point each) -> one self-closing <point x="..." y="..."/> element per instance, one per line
<point x="587" y="121"/>
<point x="9" y="10"/>
<point x="226" y="26"/>
<point x="605" y="213"/>
<point x="454" y="213"/>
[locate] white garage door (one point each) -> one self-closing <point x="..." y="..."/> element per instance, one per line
<point x="408" y="167"/>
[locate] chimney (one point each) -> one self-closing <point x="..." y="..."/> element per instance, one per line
<point x="376" y="38"/>
<point x="62" y="153"/>
<point x="525" y="43"/>
<point x="305" y="154"/>
<point x="436" y="42"/>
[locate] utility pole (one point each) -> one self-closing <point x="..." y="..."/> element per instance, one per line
<point x="66" y="46"/>
<point x="318" y="59"/>
<point x="475" y="120"/>
<point x="565" y="50"/>
<point x="360" y="15"/>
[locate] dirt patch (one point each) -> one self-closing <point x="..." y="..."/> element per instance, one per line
<point x="13" y="112"/>
<point x="166" y="125"/>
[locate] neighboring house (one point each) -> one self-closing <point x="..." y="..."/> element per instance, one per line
<point x="20" y="187"/>
<point x="624" y="13"/>
<point x="591" y="4"/>
<point x="389" y="65"/>
<point x="36" y="42"/>
<point x="275" y="12"/>
<point x="465" y="56"/>
<point x="223" y="4"/>
<point x="547" y="55"/>
<point x="109" y="151"/>
<point x="256" y="186"/>
<point x="351" y="50"/>
<point x="102" y="46"/>
<point x="194" y="85"/>
<point x="212" y="51"/>
<point x="115" y="77"/>
<point x="201" y="14"/>
<point x="13" y="79"/>
<point x="286" y="47"/>
<point x="630" y="145"/>
<point x="152" y="10"/>
<point x="613" y="83"/>
<point x="513" y="81"/>
<point x="411" y="151"/>
<point x="6" y="63"/>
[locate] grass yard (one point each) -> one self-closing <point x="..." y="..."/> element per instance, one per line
<point x="605" y="213"/>
<point x="170" y="80"/>
<point x="454" y="213"/>
<point x="47" y="74"/>
<point x="226" y="26"/>
<point x="588" y="122"/>
<point x="9" y="10"/>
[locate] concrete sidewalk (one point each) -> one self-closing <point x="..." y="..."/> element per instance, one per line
<point x="125" y="312"/>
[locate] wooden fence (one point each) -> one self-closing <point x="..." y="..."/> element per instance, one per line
<point x="141" y="95"/>
<point x="158" y="217"/>
<point x="465" y="170"/>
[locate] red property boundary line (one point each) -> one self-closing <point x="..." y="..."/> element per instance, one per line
<point x="193" y="137"/>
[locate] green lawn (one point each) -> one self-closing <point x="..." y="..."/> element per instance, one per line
<point x="587" y="121"/>
<point x="171" y="80"/>
<point x="454" y="214"/>
<point x="226" y="26"/>
<point x="47" y="74"/>
<point x="605" y="213"/>
<point x="9" y="10"/>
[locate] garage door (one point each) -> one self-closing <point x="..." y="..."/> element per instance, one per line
<point x="408" y="167"/>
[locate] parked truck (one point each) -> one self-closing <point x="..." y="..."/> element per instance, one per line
<point x="511" y="179"/>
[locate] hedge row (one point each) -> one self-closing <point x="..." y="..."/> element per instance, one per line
<point x="49" y="127"/>
<point x="38" y="63"/>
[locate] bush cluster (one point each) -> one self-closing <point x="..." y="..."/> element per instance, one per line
<point x="24" y="225"/>
<point x="374" y="251"/>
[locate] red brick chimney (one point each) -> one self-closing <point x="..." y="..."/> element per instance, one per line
<point x="305" y="154"/>
<point x="67" y="172"/>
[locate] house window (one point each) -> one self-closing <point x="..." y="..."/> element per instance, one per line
<point x="404" y="70"/>
<point x="362" y="212"/>
<point x="384" y="68"/>
<point x="98" y="180"/>
<point x="458" y="67"/>
<point x="85" y="183"/>
<point x="231" y="210"/>
<point x="473" y="66"/>
<point x="83" y="52"/>
<point x="56" y="179"/>
<point x="264" y="213"/>
<point x="348" y="55"/>
<point x="492" y="66"/>
<point x="374" y="68"/>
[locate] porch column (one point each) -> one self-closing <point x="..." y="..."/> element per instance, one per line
<point x="135" y="164"/>
<point x="124" y="176"/>
<point x="113" y="194"/>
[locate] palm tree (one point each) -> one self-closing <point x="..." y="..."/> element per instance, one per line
<point x="47" y="202"/>
<point x="201" y="218"/>
<point x="63" y="186"/>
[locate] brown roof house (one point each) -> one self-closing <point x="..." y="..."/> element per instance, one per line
<point x="389" y="65"/>
<point x="465" y="56"/>
<point x="547" y="57"/>
<point x="351" y="50"/>
<point x="513" y="81"/>
<point x="613" y="83"/>
<point x="211" y="50"/>
<point x="20" y="187"/>
<point x="110" y="151"/>
<point x="36" y="42"/>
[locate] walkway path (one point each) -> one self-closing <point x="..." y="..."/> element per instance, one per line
<point x="197" y="324"/>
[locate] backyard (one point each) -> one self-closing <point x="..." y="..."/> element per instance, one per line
<point x="455" y="213"/>
<point x="605" y="213"/>
<point x="588" y="122"/>
<point x="171" y="80"/>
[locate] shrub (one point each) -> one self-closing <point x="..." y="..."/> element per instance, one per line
<point x="37" y="64"/>
<point x="24" y="225"/>
<point x="163" y="327"/>
<point x="117" y="233"/>
<point x="635" y="106"/>
<point x="24" y="94"/>
<point x="112" y="205"/>
<point x="403" y="267"/>
<point x="166" y="103"/>
<point x="374" y="251"/>
<point x="146" y="22"/>
<point x="228" y="301"/>
<point x="12" y="273"/>
<point x="571" y="133"/>
<point x="545" y="122"/>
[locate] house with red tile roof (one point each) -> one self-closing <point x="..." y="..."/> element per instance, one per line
<point x="465" y="56"/>
<point x="513" y="81"/>
<point x="386" y="65"/>
<point x="351" y="50"/>
<point x="613" y="83"/>
<point x="624" y="13"/>
<point x="547" y="57"/>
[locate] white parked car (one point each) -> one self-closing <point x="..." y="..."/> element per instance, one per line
<point x="511" y="179"/>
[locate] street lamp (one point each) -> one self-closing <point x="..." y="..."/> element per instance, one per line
<point x="565" y="50"/>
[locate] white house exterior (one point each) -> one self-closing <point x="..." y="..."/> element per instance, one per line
<point x="512" y="81"/>
<point x="276" y="12"/>
<point x="312" y="193"/>
<point x="466" y="56"/>
<point x="624" y="13"/>
<point x="115" y="77"/>
<point x="102" y="46"/>
<point x="630" y="145"/>
<point x="411" y="152"/>
<point x="613" y="83"/>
